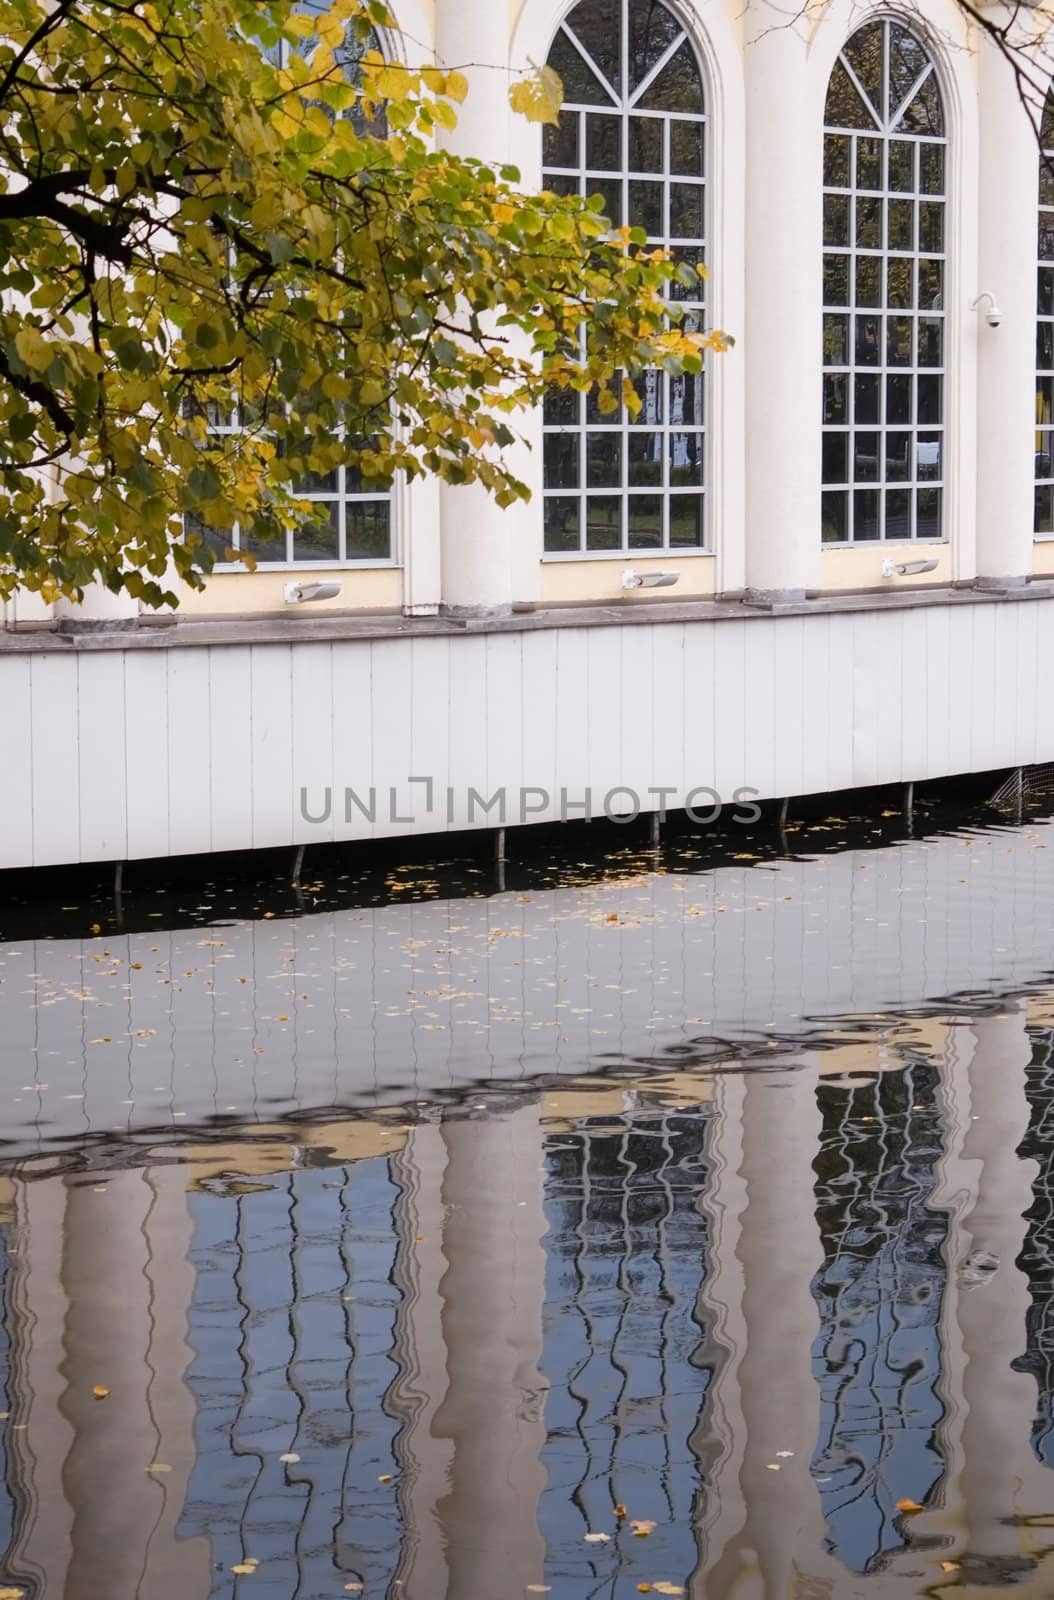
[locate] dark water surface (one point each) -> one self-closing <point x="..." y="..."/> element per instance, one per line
<point x="426" y="1238"/>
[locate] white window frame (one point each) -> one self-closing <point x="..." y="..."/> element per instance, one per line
<point x="886" y="132"/>
<point x="589" y="178"/>
<point x="393" y="498"/>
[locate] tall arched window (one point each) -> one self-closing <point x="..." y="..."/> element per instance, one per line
<point x="884" y="291"/>
<point x="633" y="129"/>
<point x="355" y="514"/>
<point x="1045" y="331"/>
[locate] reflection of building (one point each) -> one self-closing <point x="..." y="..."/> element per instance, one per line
<point x="757" y="1309"/>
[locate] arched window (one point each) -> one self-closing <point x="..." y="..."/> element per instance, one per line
<point x="633" y="129"/>
<point x="356" y="514"/>
<point x="884" y="291"/>
<point x="1045" y="331"/>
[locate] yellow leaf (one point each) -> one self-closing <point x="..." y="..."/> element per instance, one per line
<point x="11" y="1594"/>
<point x="909" y="1507"/>
<point x="246" y="1568"/>
<point x="667" y="1588"/>
<point x="33" y="349"/>
<point x="539" y="97"/>
<point x="456" y="86"/>
<point x="641" y="1530"/>
<point x="100" y="1391"/>
<point x="159" y="1466"/>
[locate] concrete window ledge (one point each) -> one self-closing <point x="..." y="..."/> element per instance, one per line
<point x="154" y="634"/>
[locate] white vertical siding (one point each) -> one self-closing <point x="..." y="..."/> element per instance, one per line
<point x="117" y="754"/>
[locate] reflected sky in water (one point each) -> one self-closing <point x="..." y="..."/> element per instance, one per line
<point x="753" y="1251"/>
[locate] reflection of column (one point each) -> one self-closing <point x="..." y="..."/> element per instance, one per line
<point x="778" y="1251"/>
<point x="782" y="352"/>
<point x="992" y="1297"/>
<point x="492" y="1292"/>
<point x="117" y="1299"/>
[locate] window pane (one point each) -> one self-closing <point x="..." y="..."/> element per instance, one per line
<point x="901" y="170"/>
<point x="687" y="523"/>
<point x="929" y="513"/>
<point x="866" y="396"/>
<point x="610" y="191"/>
<point x="604" y="143"/>
<point x="869" y="280"/>
<point x="869" y="163"/>
<point x="898" y="514"/>
<point x="835" y="398"/>
<point x="898" y="400"/>
<point x="603" y="460"/>
<point x="835" y="516"/>
<point x="561" y="407"/>
<point x="865" y="514"/>
<point x="686" y="459"/>
<point x="900" y="283"/>
<point x="899" y="448"/>
<point x="835" y="341"/>
<point x="865" y="457"/>
<point x="868" y="341"/>
<point x="368" y="530"/>
<point x="645" y="144"/>
<point x="931" y="342"/>
<point x="1045" y="510"/>
<point x="686" y="400"/>
<point x="561" y="523"/>
<point x="686" y="211"/>
<point x="931" y="168"/>
<point x="561" y="460"/>
<point x="603" y="522"/>
<point x="1043" y="457"/>
<point x="1045" y="291"/>
<point x="686" y="149"/>
<point x="931" y="225"/>
<point x="836" y="219"/>
<point x="929" y="402"/>
<point x="836" y="152"/>
<point x="645" y="521"/>
<point x="594" y="415"/>
<point x="560" y="147"/>
<point x="928" y="458"/>
<point x="645" y="460"/>
<point x="319" y="541"/>
<point x="645" y="207"/>
<point x="868" y="223"/>
<point x="836" y="280"/>
<point x="836" y="458"/>
<point x="901" y="223"/>
<point x="899" y="351"/>
<point x="649" y="388"/>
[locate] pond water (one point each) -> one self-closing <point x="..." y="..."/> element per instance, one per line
<point x="666" y="1223"/>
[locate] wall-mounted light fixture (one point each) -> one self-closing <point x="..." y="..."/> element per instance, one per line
<point x="648" y="580"/>
<point x="907" y="569"/>
<point x="300" y="594"/>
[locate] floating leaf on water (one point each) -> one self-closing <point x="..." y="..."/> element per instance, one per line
<point x="159" y="1466"/>
<point x="385" y="1477"/>
<point x="949" y="1566"/>
<point x="100" y="1391"/>
<point x="244" y="1568"/>
<point x="11" y="1594"/>
<point x="641" y="1530"/>
<point x="353" y="1588"/>
<point x="909" y="1507"/>
<point x="644" y="1588"/>
<point x="667" y="1588"/>
<point x="290" y="1455"/>
<point x="620" y="1511"/>
<point x="597" y="1538"/>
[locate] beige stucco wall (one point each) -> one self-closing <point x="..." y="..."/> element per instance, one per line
<point x="256" y="593"/>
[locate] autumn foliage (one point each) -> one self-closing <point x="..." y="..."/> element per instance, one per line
<point x="217" y="208"/>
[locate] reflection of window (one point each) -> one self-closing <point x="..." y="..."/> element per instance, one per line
<point x="633" y="130"/>
<point x="1045" y="331"/>
<point x="353" y="516"/>
<point x="883" y="291"/>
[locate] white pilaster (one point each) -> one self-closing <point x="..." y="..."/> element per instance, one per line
<point x="1009" y="176"/>
<point x="100" y="608"/>
<point x="782" y="330"/>
<point x="483" y="547"/>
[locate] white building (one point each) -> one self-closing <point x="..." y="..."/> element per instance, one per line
<point x="864" y="184"/>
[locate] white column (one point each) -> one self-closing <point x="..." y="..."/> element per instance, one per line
<point x="100" y="609"/>
<point x="1009" y="178"/>
<point x="489" y="556"/>
<point x="782" y="330"/>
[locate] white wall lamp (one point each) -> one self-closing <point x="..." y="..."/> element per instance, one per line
<point x="648" y="580"/>
<point x="300" y="594"/>
<point x="993" y="316"/>
<point x="907" y="569"/>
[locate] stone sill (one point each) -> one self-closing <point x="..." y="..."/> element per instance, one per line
<point x="163" y="634"/>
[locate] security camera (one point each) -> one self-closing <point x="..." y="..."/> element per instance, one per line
<point x="993" y="315"/>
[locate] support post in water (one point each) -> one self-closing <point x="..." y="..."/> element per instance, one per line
<point x="499" y="845"/>
<point x="656" y="830"/>
<point x="1019" y="793"/>
<point x="909" y="804"/>
<point x="298" y="866"/>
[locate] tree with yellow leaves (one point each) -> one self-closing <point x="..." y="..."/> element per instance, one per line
<point x="238" y="208"/>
